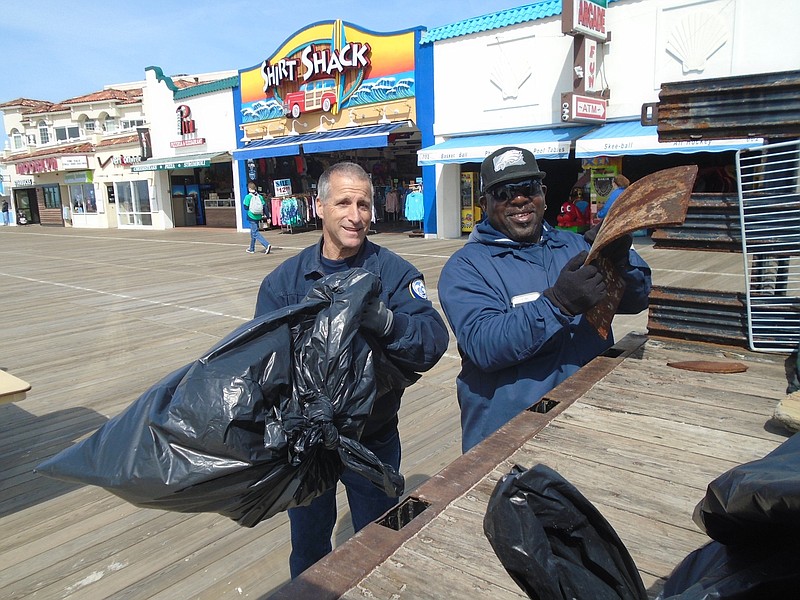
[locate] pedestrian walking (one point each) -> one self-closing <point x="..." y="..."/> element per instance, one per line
<point x="254" y="203"/>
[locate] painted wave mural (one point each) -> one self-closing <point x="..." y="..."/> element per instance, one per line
<point x="383" y="89"/>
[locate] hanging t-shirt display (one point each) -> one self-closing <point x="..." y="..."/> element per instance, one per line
<point x="415" y="210"/>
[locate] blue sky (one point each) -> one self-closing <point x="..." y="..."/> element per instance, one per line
<point x="56" y="50"/>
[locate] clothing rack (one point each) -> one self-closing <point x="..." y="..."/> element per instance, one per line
<point x="294" y="213"/>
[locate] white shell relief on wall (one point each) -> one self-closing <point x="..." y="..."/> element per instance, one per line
<point x="695" y="39"/>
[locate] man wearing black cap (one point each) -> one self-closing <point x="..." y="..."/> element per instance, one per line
<point x="515" y="296"/>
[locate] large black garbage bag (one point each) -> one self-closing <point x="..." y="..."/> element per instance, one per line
<point x="553" y="541"/>
<point x="756" y="500"/>
<point x="740" y="572"/>
<point x="753" y="513"/>
<point x="265" y="420"/>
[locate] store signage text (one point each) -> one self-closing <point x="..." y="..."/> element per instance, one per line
<point x="78" y="177"/>
<point x="177" y="164"/>
<point x="120" y="160"/>
<point x="185" y="120"/>
<point x="575" y="107"/>
<point x="74" y="162"/>
<point x="283" y="187"/>
<point x="316" y="63"/>
<point x="123" y="160"/>
<point x="186" y="127"/>
<point x="40" y="165"/>
<point x="187" y="142"/>
<point x="587" y="17"/>
<point x="23" y="181"/>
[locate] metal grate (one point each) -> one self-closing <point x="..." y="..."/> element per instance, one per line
<point x="769" y="194"/>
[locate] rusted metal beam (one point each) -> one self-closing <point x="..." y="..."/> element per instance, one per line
<point x="762" y="105"/>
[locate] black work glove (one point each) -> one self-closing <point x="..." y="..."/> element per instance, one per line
<point x="618" y="251"/>
<point x="578" y="288"/>
<point x="377" y="317"/>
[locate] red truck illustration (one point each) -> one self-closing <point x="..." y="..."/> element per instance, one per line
<point x="314" y="95"/>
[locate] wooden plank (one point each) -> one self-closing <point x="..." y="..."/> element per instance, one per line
<point x="627" y="445"/>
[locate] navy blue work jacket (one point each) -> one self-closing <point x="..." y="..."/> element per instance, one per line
<point x="418" y="338"/>
<point x="515" y="345"/>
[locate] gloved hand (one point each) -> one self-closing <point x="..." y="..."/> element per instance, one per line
<point x="377" y="317"/>
<point x="578" y="288"/>
<point x="590" y="234"/>
<point x="617" y="252"/>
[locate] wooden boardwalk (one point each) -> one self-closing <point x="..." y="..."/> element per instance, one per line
<point x="640" y="439"/>
<point x="91" y="319"/>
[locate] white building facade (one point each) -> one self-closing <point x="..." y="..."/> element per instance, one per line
<point x="502" y="85"/>
<point x="57" y="149"/>
<point x="191" y="134"/>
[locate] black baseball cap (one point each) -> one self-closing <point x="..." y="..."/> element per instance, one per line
<point x="508" y="164"/>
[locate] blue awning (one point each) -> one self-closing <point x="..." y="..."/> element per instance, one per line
<point x="631" y="138"/>
<point x="368" y="136"/>
<point x="544" y="143"/>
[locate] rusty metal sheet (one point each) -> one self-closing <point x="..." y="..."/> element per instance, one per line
<point x="658" y="199"/>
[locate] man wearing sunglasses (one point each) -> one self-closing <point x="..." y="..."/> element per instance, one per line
<point x="515" y="296"/>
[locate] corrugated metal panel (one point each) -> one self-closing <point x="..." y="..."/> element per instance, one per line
<point x="712" y="223"/>
<point x="701" y="315"/>
<point x="763" y="105"/>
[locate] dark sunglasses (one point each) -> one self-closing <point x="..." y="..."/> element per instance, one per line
<point x="506" y="192"/>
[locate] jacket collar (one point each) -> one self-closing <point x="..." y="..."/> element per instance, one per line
<point x="366" y="258"/>
<point x="484" y="233"/>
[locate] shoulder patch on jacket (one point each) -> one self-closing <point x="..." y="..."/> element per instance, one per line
<point x="417" y="289"/>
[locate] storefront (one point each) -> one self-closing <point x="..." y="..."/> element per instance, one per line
<point x="632" y="149"/>
<point x="334" y="92"/>
<point x="48" y="188"/>
<point x="184" y="177"/>
<point x="538" y="71"/>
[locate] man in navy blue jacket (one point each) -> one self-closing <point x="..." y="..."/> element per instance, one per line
<point x="515" y="295"/>
<point x="402" y="320"/>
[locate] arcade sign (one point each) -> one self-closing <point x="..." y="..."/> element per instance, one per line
<point x="583" y="109"/>
<point x="585" y="17"/>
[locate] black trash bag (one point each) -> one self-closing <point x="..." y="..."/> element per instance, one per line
<point x="553" y="541"/>
<point x="753" y="513"/>
<point x="756" y="500"/>
<point x="266" y="420"/>
<point x="740" y="572"/>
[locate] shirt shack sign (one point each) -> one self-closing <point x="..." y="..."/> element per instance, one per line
<point x="330" y="75"/>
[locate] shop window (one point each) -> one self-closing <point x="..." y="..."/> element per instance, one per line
<point x="72" y="132"/>
<point x="52" y="196"/>
<point x="133" y="202"/>
<point x="81" y="198"/>
<point x="17" y="140"/>
<point x="44" y="133"/>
